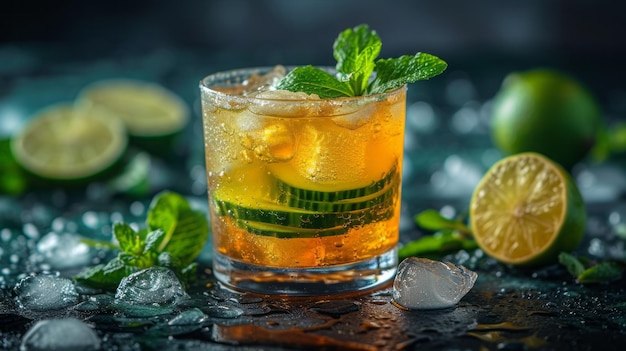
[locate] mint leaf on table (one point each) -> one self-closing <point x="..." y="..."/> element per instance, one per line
<point x="356" y="51"/>
<point x="184" y="227"/>
<point x="105" y="276"/>
<point x="437" y="245"/>
<point x="174" y="237"/>
<point x="433" y="220"/>
<point x="601" y="272"/>
<point x="587" y="272"/>
<point x="449" y="235"/>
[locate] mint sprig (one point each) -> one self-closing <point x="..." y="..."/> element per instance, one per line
<point x="450" y="235"/>
<point x="587" y="272"/>
<point x="356" y="51"/>
<point x="174" y="236"/>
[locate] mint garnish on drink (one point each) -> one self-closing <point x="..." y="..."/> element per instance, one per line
<point x="356" y="51"/>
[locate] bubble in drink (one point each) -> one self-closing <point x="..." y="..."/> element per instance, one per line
<point x="423" y="284"/>
<point x="44" y="292"/>
<point x="60" y="334"/>
<point x="151" y="286"/>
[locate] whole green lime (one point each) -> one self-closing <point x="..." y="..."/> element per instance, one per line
<point x="547" y="112"/>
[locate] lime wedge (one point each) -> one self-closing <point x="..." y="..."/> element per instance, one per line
<point x="63" y="143"/>
<point x="147" y="109"/>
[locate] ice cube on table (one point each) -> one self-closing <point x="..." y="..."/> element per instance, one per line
<point x="423" y="284"/>
<point x="151" y="286"/>
<point x="62" y="251"/>
<point x="42" y="292"/>
<point x="60" y="334"/>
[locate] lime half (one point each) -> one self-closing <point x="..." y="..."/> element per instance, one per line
<point x="65" y="143"/>
<point x="526" y="210"/>
<point x="147" y="109"/>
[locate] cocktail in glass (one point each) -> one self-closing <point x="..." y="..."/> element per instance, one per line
<point x="304" y="193"/>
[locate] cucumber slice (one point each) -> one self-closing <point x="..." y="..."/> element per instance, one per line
<point x="332" y="196"/>
<point x="300" y="218"/>
<point x="346" y="205"/>
<point x="304" y="213"/>
<point x="288" y="232"/>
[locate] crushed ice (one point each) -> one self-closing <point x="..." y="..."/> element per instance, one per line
<point x="422" y="284"/>
<point x="42" y="292"/>
<point x="151" y="286"/>
<point x="60" y="334"/>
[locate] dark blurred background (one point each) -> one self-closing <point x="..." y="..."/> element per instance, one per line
<point x="268" y="31"/>
<point x="184" y="40"/>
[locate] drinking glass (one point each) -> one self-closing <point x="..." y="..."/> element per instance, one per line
<point x="304" y="193"/>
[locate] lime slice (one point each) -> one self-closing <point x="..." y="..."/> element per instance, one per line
<point x="147" y="109"/>
<point x="63" y="143"/>
<point x="526" y="210"/>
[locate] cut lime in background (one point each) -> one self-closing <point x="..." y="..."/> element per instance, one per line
<point x="64" y="143"/>
<point x="152" y="114"/>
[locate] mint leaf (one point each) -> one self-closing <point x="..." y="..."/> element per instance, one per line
<point x="185" y="229"/>
<point x="437" y="245"/>
<point x="587" y="272"/>
<point x="153" y="239"/>
<point x="572" y="264"/>
<point x="396" y="72"/>
<point x="601" y="272"/>
<point x="129" y="240"/>
<point x="105" y="276"/>
<point x="433" y="220"/>
<point x="313" y="80"/>
<point x="355" y="51"/>
<point x="175" y="236"/>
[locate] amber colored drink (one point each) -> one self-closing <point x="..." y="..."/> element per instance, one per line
<point x="304" y="193"/>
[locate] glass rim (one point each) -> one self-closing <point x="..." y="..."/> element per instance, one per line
<point x="220" y="76"/>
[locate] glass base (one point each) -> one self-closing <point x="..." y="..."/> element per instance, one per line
<point x="338" y="279"/>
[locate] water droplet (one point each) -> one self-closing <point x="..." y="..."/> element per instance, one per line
<point x="223" y="311"/>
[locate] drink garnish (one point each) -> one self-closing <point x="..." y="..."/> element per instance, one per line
<point x="174" y="236"/>
<point x="356" y="50"/>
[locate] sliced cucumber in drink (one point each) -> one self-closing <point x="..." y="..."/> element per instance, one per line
<point x="281" y="231"/>
<point x="298" y="197"/>
<point x="307" y="213"/>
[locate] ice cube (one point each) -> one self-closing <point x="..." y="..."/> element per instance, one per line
<point x="60" y="334"/>
<point x="263" y="82"/>
<point x="353" y="117"/>
<point x="151" y="286"/>
<point x="322" y="154"/>
<point x="273" y="143"/>
<point x="43" y="292"/>
<point x="63" y="251"/>
<point x="284" y="103"/>
<point x="423" y="284"/>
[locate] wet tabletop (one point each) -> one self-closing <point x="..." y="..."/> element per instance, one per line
<point x="447" y="151"/>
